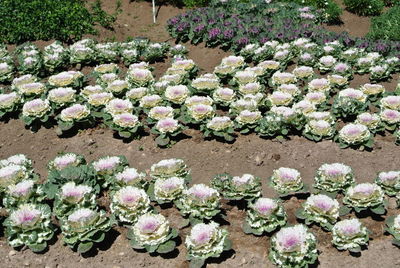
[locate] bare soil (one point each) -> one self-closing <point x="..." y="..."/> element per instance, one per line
<point x="248" y="154"/>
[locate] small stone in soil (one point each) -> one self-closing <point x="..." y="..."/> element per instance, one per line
<point x="392" y="203"/>
<point x="259" y="161"/>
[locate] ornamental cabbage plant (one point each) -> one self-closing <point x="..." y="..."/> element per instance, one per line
<point x="35" y="113"/>
<point x="74" y="115"/>
<point x="153" y="233"/>
<point x="168" y="190"/>
<point x="18" y="159"/>
<point x="247" y="187"/>
<point x="168" y="168"/>
<point x="74" y="79"/>
<point x="350" y="235"/>
<point x="374" y="92"/>
<point x="365" y="196"/>
<point x="247" y="121"/>
<point x="55" y="57"/>
<point x="293" y="247"/>
<point x="220" y="182"/>
<point x="349" y="102"/>
<point x="6" y="71"/>
<point x="390" y="119"/>
<point x="139" y="77"/>
<point x="128" y="203"/>
<point x="333" y="178"/>
<point x="287" y="181"/>
<point x="61" y="97"/>
<point x="82" y="52"/>
<point x="127" y="125"/>
<point x="219" y="127"/>
<point x="389" y="182"/>
<point x="29" y="225"/>
<point x="66" y="160"/>
<point x="84" y="227"/>
<point x="320" y="209"/>
<point x="127" y="177"/>
<point x="355" y="135"/>
<point x="379" y="73"/>
<point x="10" y="103"/>
<point x="264" y="215"/>
<point x="166" y="130"/>
<point x="199" y="202"/>
<point x="393" y="228"/>
<point x="206" y="241"/>
<point x="318" y="130"/>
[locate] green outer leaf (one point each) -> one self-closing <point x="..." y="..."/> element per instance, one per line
<point x="151" y="249"/>
<point x="150" y="191"/>
<point x="196" y="263"/>
<point x="355" y="250"/>
<point x="227" y="244"/>
<point x="174" y="233"/>
<point x="390" y="220"/>
<point x="125" y="134"/>
<point x="344" y="210"/>
<point x="300" y="214"/>
<point x="166" y="247"/>
<point x="162" y="141"/>
<point x="38" y="247"/>
<point x="135" y="245"/>
<point x="130" y="234"/>
<point x="64" y="126"/>
<point x="359" y="209"/>
<point x="396" y="242"/>
<point x="380" y="210"/>
<point x="84" y="247"/>
<point x="98" y="237"/>
<point x="247" y="228"/>
<point x="193" y="221"/>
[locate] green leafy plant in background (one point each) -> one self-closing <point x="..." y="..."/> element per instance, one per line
<point x="386" y="26"/>
<point x="364" y="8"/>
<point x="390" y="3"/>
<point x="65" y="20"/>
<point x="103" y="18"/>
<point x="195" y="3"/>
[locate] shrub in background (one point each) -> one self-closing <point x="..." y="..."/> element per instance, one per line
<point x="65" y="20"/>
<point x="195" y="3"/>
<point x="390" y="3"/>
<point x="364" y="7"/>
<point x="386" y="26"/>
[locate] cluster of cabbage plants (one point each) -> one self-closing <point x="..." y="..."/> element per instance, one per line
<point x="251" y="92"/>
<point x="73" y="187"/>
<point x="29" y="59"/>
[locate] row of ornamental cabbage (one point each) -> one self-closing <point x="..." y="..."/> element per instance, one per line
<point x="29" y="59"/>
<point x="136" y="200"/>
<point x="252" y="92"/>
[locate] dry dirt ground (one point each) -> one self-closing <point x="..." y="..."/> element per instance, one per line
<point x="249" y="154"/>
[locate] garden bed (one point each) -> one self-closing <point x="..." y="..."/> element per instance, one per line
<point x="248" y="154"/>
